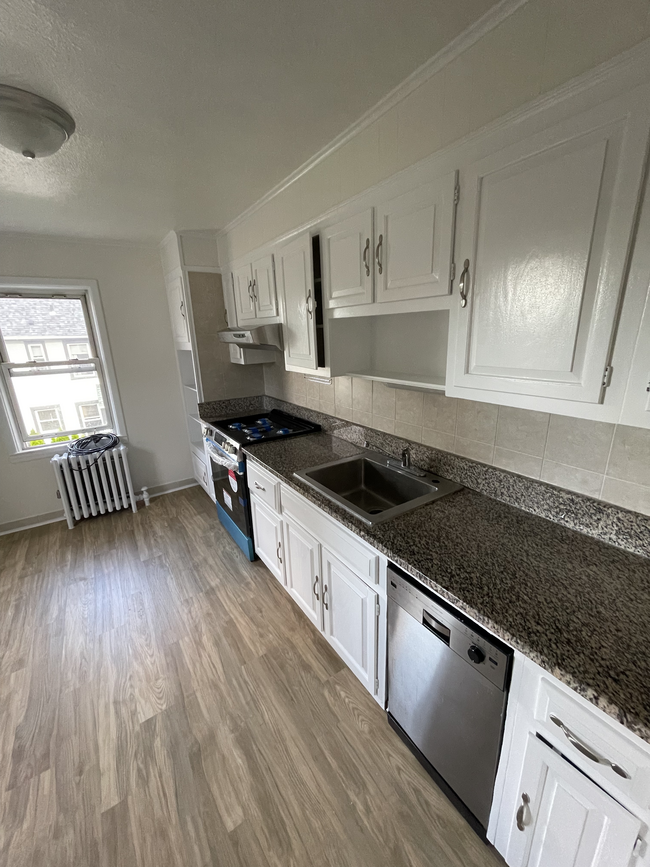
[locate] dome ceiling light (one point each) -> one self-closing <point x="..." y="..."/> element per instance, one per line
<point x="32" y="125"/>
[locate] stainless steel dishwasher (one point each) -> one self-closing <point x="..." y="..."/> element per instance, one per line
<point x="447" y="691"/>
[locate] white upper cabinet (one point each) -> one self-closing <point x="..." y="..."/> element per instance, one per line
<point x="636" y="408"/>
<point x="178" y="311"/>
<point x="413" y="242"/>
<point x="264" y="288"/>
<point x="254" y="291"/>
<point x="563" y="819"/>
<point x="295" y="284"/>
<point x="242" y="284"/>
<point x="400" y="250"/>
<point x="347" y="260"/>
<point x="543" y="244"/>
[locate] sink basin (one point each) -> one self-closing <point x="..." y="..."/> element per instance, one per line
<point x="368" y="487"/>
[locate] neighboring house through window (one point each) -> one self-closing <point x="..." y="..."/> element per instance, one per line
<point x="48" y="419"/>
<point x="90" y="415"/>
<point x="59" y="325"/>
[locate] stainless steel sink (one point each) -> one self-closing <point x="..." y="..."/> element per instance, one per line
<point x="368" y="487"/>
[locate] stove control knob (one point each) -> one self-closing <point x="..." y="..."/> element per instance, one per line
<point x="476" y="654"/>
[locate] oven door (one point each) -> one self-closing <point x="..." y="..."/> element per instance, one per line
<point x="231" y="492"/>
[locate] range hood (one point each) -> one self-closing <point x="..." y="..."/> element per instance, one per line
<point x="267" y="337"/>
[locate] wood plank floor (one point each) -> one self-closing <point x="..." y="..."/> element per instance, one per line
<point x="163" y="703"/>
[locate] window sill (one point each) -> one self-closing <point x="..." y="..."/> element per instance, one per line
<point x="45" y="452"/>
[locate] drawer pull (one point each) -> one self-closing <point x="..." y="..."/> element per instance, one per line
<point x="521" y="812"/>
<point x="259" y="487"/>
<point x="586" y="750"/>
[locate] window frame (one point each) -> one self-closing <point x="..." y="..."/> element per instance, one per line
<point x="30" y="352"/>
<point x="88" y="292"/>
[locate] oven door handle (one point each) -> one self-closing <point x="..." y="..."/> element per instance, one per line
<point x="221" y="457"/>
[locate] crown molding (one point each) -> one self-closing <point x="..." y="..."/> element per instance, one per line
<point x="487" y="22"/>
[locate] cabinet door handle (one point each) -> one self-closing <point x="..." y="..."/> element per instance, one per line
<point x="310" y="309"/>
<point x="521" y="812"/>
<point x="378" y="253"/>
<point x="325" y="603"/>
<point x="254" y="290"/>
<point x="366" y="257"/>
<point x="463" y="286"/>
<point x="250" y="291"/>
<point x="316" y="588"/>
<point x="183" y="309"/>
<point x="278" y="552"/>
<point x="586" y="750"/>
<point x="259" y="487"/>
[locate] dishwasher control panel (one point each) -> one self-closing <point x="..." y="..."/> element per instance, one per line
<point x="489" y="656"/>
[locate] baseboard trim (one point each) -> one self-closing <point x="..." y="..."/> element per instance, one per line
<point x="170" y="487"/>
<point x="30" y="522"/>
<point x="52" y="517"/>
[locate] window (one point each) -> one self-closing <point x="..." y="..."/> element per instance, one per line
<point x="68" y="391"/>
<point x="48" y="419"/>
<point x="78" y="350"/>
<point x="36" y="352"/>
<point x="91" y="415"/>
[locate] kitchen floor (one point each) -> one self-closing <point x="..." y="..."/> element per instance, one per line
<point x="163" y="703"/>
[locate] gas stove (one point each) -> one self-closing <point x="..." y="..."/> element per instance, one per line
<point x="261" y="427"/>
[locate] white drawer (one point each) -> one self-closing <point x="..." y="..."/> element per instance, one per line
<point x="265" y="486"/>
<point x="360" y="557"/>
<point x="599" y="735"/>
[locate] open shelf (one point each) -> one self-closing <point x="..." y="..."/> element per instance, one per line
<point x="403" y="380"/>
<point x="405" y="350"/>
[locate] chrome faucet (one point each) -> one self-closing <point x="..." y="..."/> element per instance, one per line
<point x="404" y="464"/>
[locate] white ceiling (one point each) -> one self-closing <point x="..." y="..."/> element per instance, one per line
<point x="187" y="112"/>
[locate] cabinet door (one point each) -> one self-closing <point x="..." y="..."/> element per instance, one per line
<point x="264" y="288"/>
<point x="302" y="567"/>
<point x="177" y="310"/>
<point x="346" y="258"/>
<point x="546" y="227"/>
<point x="414" y="240"/>
<point x="567" y="820"/>
<point x="267" y="529"/>
<point x="350" y="619"/>
<point x="636" y="407"/>
<point x="243" y="290"/>
<point x="295" y="282"/>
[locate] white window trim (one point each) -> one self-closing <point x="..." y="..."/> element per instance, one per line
<point x="28" y="286"/>
<point x="31" y="354"/>
<point x="96" y="403"/>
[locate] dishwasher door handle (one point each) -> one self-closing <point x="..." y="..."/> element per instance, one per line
<point x="439" y="629"/>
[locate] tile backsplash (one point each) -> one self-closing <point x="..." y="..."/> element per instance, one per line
<point x="605" y="461"/>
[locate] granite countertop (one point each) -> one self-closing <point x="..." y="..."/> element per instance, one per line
<point x="576" y="606"/>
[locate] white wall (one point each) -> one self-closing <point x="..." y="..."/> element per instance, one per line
<point x="137" y="318"/>
<point x="543" y="44"/>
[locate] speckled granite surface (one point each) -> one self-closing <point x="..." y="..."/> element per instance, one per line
<point x="578" y="607"/>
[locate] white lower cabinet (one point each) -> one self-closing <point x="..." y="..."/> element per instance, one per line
<point x="573" y="786"/>
<point x="566" y="820"/>
<point x="302" y="569"/>
<point x="350" y="619"/>
<point x="267" y="529"/>
<point x="342" y="592"/>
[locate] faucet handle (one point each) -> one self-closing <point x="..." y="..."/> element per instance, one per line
<point x="406" y="457"/>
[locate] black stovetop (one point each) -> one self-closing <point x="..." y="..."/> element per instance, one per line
<point x="263" y="426"/>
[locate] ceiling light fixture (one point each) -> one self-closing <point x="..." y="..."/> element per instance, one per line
<point x="32" y="125"/>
